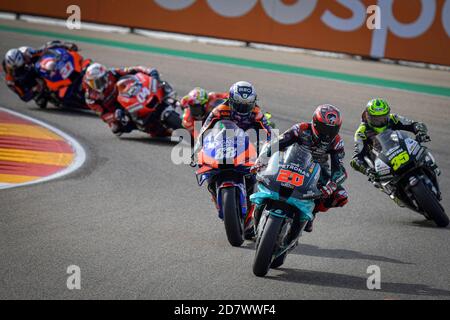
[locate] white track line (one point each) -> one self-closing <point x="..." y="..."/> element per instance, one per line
<point x="80" y="154"/>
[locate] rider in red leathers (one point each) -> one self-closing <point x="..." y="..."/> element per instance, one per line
<point x="197" y="105"/>
<point x="101" y="93"/>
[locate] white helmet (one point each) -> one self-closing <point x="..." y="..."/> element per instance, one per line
<point x="242" y="97"/>
<point x="96" y="77"/>
<point x="14" y="59"/>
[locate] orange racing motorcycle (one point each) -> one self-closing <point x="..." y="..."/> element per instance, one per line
<point x="224" y="162"/>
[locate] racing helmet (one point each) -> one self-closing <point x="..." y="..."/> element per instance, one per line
<point x="242" y="97"/>
<point x="14" y="59"/>
<point x="96" y="77"/>
<point x="378" y="114"/>
<point x="326" y="123"/>
<point x="197" y="100"/>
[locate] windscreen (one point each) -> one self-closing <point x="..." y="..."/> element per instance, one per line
<point x="229" y="144"/>
<point x="295" y="155"/>
<point x="292" y="173"/>
<point x="387" y="140"/>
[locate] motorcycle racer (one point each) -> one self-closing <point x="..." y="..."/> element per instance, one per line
<point x="20" y="74"/>
<point x="241" y="108"/>
<point x="101" y="93"/>
<point x="321" y="137"/>
<point x="377" y="118"/>
<point x="197" y="106"/>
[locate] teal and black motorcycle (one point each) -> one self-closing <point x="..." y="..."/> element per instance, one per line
<point x="286" y="188"/>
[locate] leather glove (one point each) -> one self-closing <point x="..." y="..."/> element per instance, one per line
<point x="420" y="128"/>
<point x="421" y="132"/>
<point x="257" y="167"/>
<point x="422" y="138"/>
<point x="328" y="189"/>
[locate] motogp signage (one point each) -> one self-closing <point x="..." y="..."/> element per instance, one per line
<point x="416" y="30"/>
<point x="294" y="13"/>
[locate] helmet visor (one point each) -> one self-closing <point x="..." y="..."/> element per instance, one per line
<point x="18" y="73"/>
<point x="98" y="84"/>
<point x="326" y="132"/>
<point x="378" y="121"/>
<point x="242" y="108"/>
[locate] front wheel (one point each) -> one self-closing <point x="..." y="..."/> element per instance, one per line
<point x="234" y="226"/>
<point x="266" y="246"/>
<point x="279" y="261"/>
<point x="41" y="103"/>
<point x="427" y="200"/>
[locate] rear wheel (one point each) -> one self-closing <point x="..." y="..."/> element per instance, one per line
<point x="266" y="246"/>
<point x="427" y="200"/>
<point x="234" y="226"/>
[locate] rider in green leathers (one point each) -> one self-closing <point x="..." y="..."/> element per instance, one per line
<point x="377" y="118"/>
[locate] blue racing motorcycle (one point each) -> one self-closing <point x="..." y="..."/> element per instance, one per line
<point x="62" y="71"/>
<point x="225" y="161"/>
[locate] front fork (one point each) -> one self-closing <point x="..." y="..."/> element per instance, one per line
<point x="289" y="234"/>
<point x="412" y="181"/>
<point x="217" y="196"/>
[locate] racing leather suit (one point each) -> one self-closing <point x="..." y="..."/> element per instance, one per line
<point x="325" y="154"/>
<point x="188" y="119"/>
<point x="105" y="104"/>
<point x="24" y="81"/>
<point x="256" y="120"/>
<point x="364" y="137"/>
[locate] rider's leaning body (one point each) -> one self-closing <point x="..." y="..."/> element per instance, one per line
<point x="377" y="118"/>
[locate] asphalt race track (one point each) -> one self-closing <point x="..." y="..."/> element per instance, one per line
<point x="138" y="226"/>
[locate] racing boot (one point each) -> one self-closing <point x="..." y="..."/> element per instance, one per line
<point x="249" y="225"/>
<point x="397" y="201"/>
<point x="252" y="220"/>
<point x="310" y="225"/>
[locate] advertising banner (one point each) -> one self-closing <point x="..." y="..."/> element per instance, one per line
<point x="415" y="30"/>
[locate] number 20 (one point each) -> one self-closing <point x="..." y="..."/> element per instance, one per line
<point x="290" y="177"/>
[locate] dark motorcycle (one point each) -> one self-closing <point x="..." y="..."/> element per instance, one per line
<point x="408" y="173"/>
<point x="286" y="188"/>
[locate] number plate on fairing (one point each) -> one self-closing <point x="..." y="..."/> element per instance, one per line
<point x="400" y="160"/>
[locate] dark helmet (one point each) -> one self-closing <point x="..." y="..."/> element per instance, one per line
<point x="326" y="122"/>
